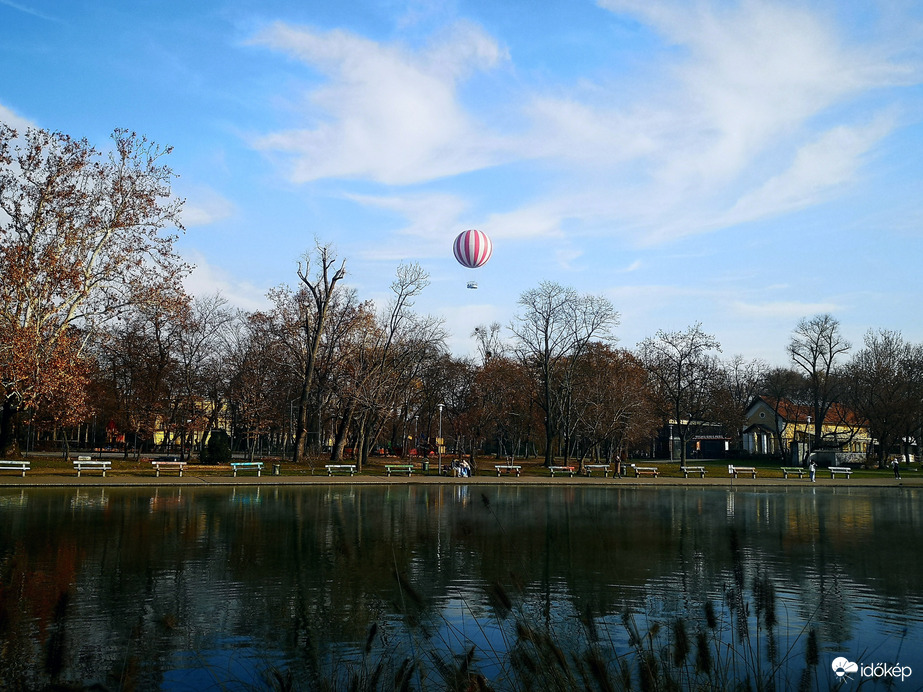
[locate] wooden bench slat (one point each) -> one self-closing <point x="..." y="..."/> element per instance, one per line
<point x="340" y="467"/>
<point x="178" y="465"/>
<point x="10" y="465"/>
<point x="236" y="465"/>
<point x="408" y="468"/>
<point x="588" y="468"/>
<point x="81" y="463"/>
<point x="509" y="468"/>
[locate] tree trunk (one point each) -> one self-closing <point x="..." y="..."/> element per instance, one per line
<point x="339" y="443"/>
<point x="9" y="446"/>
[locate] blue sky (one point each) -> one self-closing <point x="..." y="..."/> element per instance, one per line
<point x="739" y="164"/>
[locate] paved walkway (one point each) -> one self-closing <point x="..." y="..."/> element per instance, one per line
<point x="190" y="478"/>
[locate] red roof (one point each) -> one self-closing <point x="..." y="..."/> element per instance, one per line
<point x="837" y="414"/>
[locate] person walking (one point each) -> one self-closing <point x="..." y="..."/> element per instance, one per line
<point x="896" y="467"/>
<point x="812" y="470"/>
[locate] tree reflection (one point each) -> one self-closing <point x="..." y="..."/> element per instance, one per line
<point x="304" y="579"/>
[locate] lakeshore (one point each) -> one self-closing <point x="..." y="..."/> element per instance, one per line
<point x="46" y="472"/>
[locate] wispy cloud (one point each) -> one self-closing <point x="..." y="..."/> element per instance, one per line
<point x="14" y="120"/>
<point x="207" y="279"/>
<point x="205" y="206"/>
<point x="819" y="169"/>
<point x="386" y="113"/>
<point x="790" y="310"/>
<point x="757" y="109"/>
<point x="28" y="10"/>
<point x="425" y="222"/>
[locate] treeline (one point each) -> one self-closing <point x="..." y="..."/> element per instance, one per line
<point x="99" y="341"/>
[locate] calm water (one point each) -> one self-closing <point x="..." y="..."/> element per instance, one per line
<point x="246" y="588"/>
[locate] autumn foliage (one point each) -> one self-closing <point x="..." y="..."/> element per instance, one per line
<point x="81" y="241"/>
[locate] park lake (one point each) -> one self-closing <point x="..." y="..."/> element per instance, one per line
<point x="441" y="586"/>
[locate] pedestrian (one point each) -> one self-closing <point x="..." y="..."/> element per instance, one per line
<point x="812" y="470"/>
<point x="896" y="467"/>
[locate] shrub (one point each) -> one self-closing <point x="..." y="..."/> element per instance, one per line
<point x="217" y="449"/>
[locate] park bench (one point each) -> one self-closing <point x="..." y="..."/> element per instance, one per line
<point x="88" y="464"/>
<point x="737" y="470"/>
<point x="239" y="465"/>
<point x="786" y="470"/>
<point x="508" y="468"/>
<point x="399" y="468"/>
<point x="561" y="469"/>
<point x="692" y="469"/>
<point x="168" y="463"/>
<point x="589" y="468"/>
<point x="648" y="470"/>
<point x="341" y="468"/>
<point x="845" y="470"/>
<point x="23" y="466"/>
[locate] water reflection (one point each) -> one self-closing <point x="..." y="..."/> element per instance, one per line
<point x="160" y="588"/>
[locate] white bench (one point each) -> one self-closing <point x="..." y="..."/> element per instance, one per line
<point x="341" y="468"/>
<point x="23" y="466"/>
<point x="786" y="470"/>
<point x="167" y="465"/>
<point x="589" y="468"/>
<point x="238" y="465"/>
<point x="86" y="463"/>
<point x="649" y="470"/>
<point x="399" y="468"/>
<point x="508" y="468"/>
<point x="737" y="470"/>
<point x="692" y="469"/>
<point x="845" y="470"/>
<point x="561" y="469"/>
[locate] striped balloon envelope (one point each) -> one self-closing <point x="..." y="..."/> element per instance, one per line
<point x="473" y="248"/>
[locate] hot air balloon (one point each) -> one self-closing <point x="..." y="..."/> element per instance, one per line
<point x="472" y="249"/>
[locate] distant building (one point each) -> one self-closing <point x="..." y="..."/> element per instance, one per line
<point x="771" y="422"/>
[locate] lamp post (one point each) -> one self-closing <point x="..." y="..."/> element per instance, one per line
<point x="439" y="441"/>
<point x="416" y="444"/>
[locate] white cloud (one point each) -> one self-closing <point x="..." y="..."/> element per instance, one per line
<point x="754" y="109"/>
<point x="206" y="206"/>
<point x="206" y="280"/>
<point x="792" y="310"/>
<point x="386" y="113"/>
<point x="14" y="120"/>
<point x="432" y="222"/>
<point x="820" y="166"/>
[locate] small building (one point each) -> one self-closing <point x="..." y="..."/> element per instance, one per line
<point x="771" y="422"/>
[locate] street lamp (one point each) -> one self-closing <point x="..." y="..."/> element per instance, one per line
<point x="439" y="440"/>
<point x="416" y="443"/>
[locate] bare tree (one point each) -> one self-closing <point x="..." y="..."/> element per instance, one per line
<point x="551" y="333"/>
<point x="780" y="386"/>
<point x="385" y="353"/>
<point x="614" y="403"/>
<point x="685" y="374"/>
<point x="322" y="287"/>
<point x="880" y="381"/>
<point x="815" y="348"/>
<point x="489" y="343"/>
<point x="739" y="383"/>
